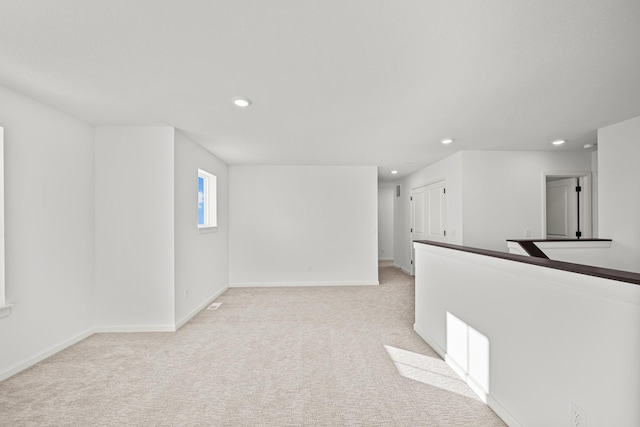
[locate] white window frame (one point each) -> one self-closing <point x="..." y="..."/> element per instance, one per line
<point x="210" y="200"/>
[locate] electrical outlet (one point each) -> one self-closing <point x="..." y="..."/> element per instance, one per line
<point x="578" y="416"/>
<point x="527" y="233"/>
<point x="186" y="293"/>
<point x="309" y="268"/>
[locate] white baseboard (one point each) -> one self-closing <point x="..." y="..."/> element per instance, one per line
<point x="201" y="307"/>
<point x="459" y="370"/>
<point x="502" y="412"/>
<point x="135" y="328"/>
<point x="490" y="400"/>
<point x="47" y="353"/>
<point x="402" y="268"/>
<point x="298" y="284"/>
<point x="5" y="310"/>
<point x="432" y="343"/>
<point x="385" y="259"/>
<point x="470" y="381"/>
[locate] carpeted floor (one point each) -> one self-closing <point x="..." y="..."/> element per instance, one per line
<point x="330" y="356"/>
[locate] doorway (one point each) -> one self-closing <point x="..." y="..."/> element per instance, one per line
<point x="566" y="200"/>
<point x="428" y="215"/>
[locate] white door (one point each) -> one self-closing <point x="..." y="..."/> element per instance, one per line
<point x="568" y="216"/>
<point x="428" y="214"/>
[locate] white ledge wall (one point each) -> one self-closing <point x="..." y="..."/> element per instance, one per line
<point x="595" y="253"/>
<point x="303" y="225"/>
<point x="554" y="336"/>
<point x="588" y="253"/>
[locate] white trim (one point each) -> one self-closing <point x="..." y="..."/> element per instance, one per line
<point x="207" y="229"/>
<point x="574" y="244"/>
<point x="210" y="202"/>
<point x="501" y="412"/>
<point x="490" y="400"/>
<point x="201" y="307"/>
<point x="385" y="259"/>
<point x="432" y="343"/>
<point x="402" y="268"/>
<point x="298" y="284"/>
<point x="43" y="355"/>
<point x="135" y="328"/>
<point x="459" y="370"/>
<point x="477" y="389"/>
<point x="5" y="310"/>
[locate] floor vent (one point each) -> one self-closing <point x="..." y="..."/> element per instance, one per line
<point x="214" y="306"/>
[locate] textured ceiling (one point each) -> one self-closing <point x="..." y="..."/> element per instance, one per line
<point x="357" y="82"/>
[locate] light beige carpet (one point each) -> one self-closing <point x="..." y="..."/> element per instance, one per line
<point x="333" y="356"/>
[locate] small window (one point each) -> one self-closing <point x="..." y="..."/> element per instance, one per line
<point x="207" y="203"/>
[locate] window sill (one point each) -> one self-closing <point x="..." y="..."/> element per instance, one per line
<point x="5" y="310"/>
<point x="207" y="229"/>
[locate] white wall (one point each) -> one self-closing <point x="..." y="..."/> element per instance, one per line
<point x="503" y="193"/>
<point x="134" y="228"/>
<point x="594" y="193"/>
<point x="492" y="196"/>
<point x="555" y="337"/>
<point x="201" y="257"/>
<point x="303" y="225"/>
<point x="48" y="230"/>
<point x="449" y="169"/>
<point x="386" y="194"/>
<point x="3" y="308"/>
<point x="619" y="198"/>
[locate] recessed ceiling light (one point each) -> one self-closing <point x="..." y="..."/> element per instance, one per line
<point x="394" y="172"/>
<point x="558" y="142"/>
<point x="241" y="102"/>
<point x="447" y="141"/>
<point x="589" y="145"/>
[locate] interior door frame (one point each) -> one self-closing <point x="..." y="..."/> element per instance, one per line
<point x="587" y="197"/>
<point x="412" y="254"/>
